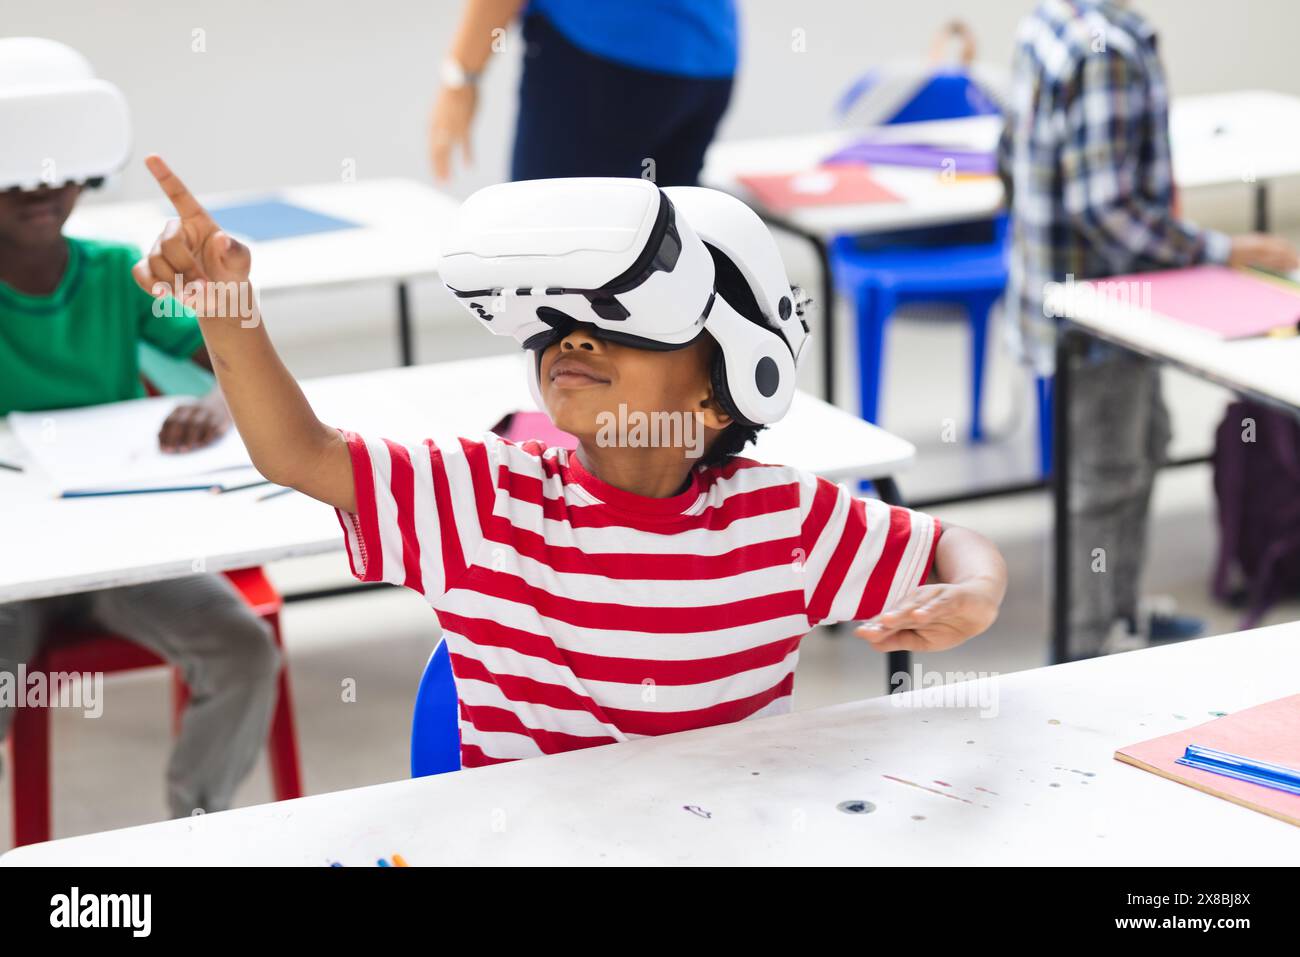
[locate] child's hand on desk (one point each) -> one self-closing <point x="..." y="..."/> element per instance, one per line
<point x="194" y="254"/>
<point x="1263" y="250"/>
<point x="192" y="425"/>
<point x="934" y="618"/>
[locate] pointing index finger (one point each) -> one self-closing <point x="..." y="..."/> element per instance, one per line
<point x="179" y="194"/>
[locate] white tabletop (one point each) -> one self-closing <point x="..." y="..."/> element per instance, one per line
<point x="1035" y="784"/>
<point x="1216" y="139"/>
<point x="399" y="235"/>
<point x="1237" y="137"/>
<point x="81" y="544"/>
<point x="1261" y="366"/>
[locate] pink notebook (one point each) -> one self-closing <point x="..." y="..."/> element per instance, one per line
<point x="1269" y="732"/>
<point x="825" y="186"/>
<point x="1232" y="303"/>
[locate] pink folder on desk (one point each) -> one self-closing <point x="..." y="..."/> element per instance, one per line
<point x="1232" y="303"/>
<point x="1269" y="732"/>
<point x="522" y="426"/>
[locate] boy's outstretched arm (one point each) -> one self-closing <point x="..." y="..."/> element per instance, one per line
<point x="285" y="440"/>
<point x="970" y="581"/>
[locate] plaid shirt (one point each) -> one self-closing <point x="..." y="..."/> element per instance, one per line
<point x="1085" y="158"/>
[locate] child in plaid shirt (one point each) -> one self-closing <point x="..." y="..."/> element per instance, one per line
<point x="1085" y="157"/>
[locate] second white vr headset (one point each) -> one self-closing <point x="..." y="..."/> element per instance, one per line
<point x="642" y="266"/>
<point x="58" y="123"/>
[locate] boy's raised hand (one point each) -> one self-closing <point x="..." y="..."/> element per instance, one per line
<point x="192" y="252"/>
<point x="933" y="618"/>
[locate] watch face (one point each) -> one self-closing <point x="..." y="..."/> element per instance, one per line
<point x="453" y="74"/>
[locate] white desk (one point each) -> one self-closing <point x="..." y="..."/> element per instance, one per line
<point x="927" y="199"/>
<point x="1267" y="369"/>
<point x="400" y="228"/>
<point x="1248" y="136"/>
<point x="1245" y="136"/>
<point x="84" y="544"/>
<point x="1036" y="784"/>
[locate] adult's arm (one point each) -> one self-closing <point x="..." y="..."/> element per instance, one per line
<point x="482" y="27"/>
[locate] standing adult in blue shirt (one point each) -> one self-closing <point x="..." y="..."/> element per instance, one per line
<point x="625" y="88"/>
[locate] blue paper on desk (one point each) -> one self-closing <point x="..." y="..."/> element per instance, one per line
<point x="269" y="219"/>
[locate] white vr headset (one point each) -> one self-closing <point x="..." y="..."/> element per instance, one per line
<point x="58" y="124"/>
<point x="643" y="267"/>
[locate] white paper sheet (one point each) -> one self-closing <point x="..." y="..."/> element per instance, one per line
<point x="116" y="445"/>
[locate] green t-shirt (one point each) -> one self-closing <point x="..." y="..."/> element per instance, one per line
<point x="80" y="344"/>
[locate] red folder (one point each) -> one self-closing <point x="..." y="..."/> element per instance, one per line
<point x="824" y="186"/>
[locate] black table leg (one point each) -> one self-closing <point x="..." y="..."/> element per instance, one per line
<point x="826" y="329"/>
<point x="1261" y="206"/>
<point x="1067" y="344"/>
<point x="896" y="662"/>
<point x="405" y="334"/>
<point x="888" y="491"/>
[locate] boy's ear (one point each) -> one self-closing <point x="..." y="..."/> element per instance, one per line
<point x="711" y="413"/>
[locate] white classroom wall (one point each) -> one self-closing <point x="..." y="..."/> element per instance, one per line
<point x="293" y="91"/>
<point x="288" y="90"/>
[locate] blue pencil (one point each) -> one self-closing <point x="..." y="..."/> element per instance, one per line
<point x="1235" y="766"/>
<point x="100" y="493"/>
<point x="222" y="489"/>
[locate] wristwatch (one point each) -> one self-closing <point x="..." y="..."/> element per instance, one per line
<point x="454" y="76"/>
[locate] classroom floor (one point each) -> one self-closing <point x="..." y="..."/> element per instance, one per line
<point x="108" y="773"/>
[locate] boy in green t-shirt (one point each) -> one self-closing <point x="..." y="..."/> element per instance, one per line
<point x="71" y="323"/>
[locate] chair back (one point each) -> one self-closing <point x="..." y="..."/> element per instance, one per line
<point x="435" y="726"/>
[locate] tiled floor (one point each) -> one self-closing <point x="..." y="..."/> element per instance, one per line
<point x="109" y="772"/>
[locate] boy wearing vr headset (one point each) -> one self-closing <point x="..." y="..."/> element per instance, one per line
<point x="71" y="321"/>
<point x="623" y="589"/>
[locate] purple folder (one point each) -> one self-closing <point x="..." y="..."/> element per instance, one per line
<point x="915" y="154"/>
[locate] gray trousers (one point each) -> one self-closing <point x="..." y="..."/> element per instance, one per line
<point x="224" y="652"/>
<point x="1120" y="432"/>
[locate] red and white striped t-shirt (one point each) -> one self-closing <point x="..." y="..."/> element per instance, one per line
<point x="579" y="614"/>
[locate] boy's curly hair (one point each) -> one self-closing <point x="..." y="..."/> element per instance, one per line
<point x="730" y="443"/>
<point x="732" y="286"/>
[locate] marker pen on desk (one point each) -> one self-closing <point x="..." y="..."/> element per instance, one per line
<point x="1268" y="775"/>
<point x="11" y="467"/>
<point x="399" y="861"/>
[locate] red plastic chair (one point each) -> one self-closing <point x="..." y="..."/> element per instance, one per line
<point x="97" y="651"/>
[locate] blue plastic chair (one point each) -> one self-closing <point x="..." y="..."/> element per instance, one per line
<point x="435" y="727"/>
<point x="882" y="273"/>
<point x="881" y="280"/>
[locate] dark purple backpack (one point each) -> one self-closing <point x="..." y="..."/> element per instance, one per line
<point x="1257" y="485"/>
